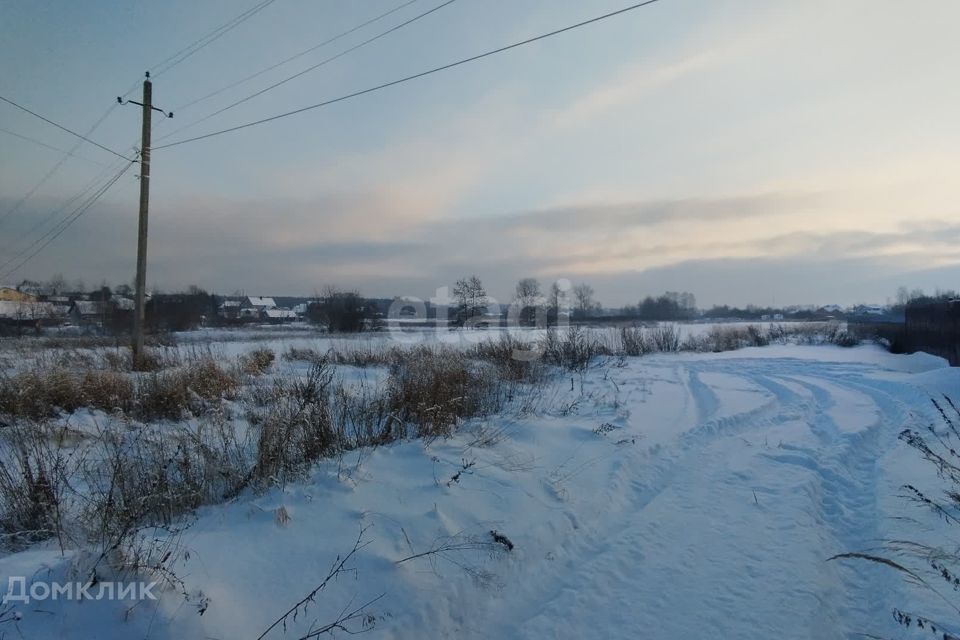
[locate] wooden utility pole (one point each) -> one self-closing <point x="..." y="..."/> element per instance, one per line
<point x="139" y="314"/>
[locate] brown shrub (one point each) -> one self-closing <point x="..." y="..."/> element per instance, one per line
<point x="572" y="349"/>
<point x="192" y="387"/>
<point x="434" y="389"/>
<point x="107" y="390"/>
<point x="39" y="394"/>
<point x="634" y="341"/>
<point x="257" y="362"/>
<point x="514" y="359"/>
<point x="298" y="430"/>
<point x="30" y="486"/>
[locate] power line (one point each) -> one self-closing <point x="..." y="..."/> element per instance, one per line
<point x="311" y="68"/>
<point x="330" y="40"/>
<point x="200" y="43"/>
<point x="60" y="126"/>
<point x="160" y="68"/>
<point x="56" y="167"/>
<point x="173" y="60"/>
<point x="63" y="207"/>
<point x="65" y="224"/>
<point x="411" y="77"/>
<point x="48" y="146"/>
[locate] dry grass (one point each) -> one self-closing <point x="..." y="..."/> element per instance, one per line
<point x="297" y="429"/>
<point x="730" y="338"/>
<point x="103" y="486"/>
<point x="30" y="487"/>
<point x="727" y="338"/>
<point x="514" y="359"/>
<point x="257" y="362"/>
<point x="572" y="349"/>
<point x="634" y="341"/>
<point x="433" y="390"/>
<point x="49" y="389"/>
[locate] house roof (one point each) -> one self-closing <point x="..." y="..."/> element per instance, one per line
<point x="257" y="301"/>
<point x="230" y="303"/>
<point x="87" y="307"/>
<point x="280" y="313"/>
<point x="24" y="310"/>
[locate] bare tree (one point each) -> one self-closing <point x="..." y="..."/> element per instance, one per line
<point x="471" y="299"/>
<point x="583" y="297"/>
<point x="558" y="302"/>
<point x="528" y="299"/>
<point x="553" y="297"/>
<point x="340" y="310"/>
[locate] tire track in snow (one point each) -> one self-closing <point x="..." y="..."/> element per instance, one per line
<point x="659" y="466"/>
<point x="600" y="560"/>
<point x="845" y="479"/>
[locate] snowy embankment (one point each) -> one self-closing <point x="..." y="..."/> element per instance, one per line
<point x="669" y="496"/>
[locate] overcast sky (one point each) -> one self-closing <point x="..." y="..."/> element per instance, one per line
<point x="748" y="151"/>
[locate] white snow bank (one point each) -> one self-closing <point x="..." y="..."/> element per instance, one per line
<point x="683" y="496"/>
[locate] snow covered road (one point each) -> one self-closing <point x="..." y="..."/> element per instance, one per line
<point x="672" y="496"/>
<point x="724" y="524"/>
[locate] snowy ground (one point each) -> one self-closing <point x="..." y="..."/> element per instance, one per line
<point x="675" y="496"/>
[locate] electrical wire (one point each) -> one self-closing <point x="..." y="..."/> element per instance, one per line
<point x="49" y="146"/>
<point x="63" y="207"/>
<point x="71" y="132"/>
<point x="320" y="45"/>
<point x="65" y="224"/>
<point x="310" y="68"/>
<point x="162" y="67"/>
<point x="171" y="61"/>
<point x="91" y="185"/>
<point x="409" y="78"/>
<point x="53" y="170"/>
<point x="199" y="44"/>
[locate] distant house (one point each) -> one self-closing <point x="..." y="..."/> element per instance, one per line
<point x="35" y="290"/>
<point x="301" y="309"/>
<point x="254" y="307"/>
<point x="23" y="312"/>
<point x="259" y="302"/>
<point x="60" y="304"/>
<point x="9" y="294"/>
<point x="229" y="309"/>
<point x="279" y="316"/>
<point x="87" y="312"/>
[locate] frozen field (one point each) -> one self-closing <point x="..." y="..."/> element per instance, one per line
<point x="671" y="496"/>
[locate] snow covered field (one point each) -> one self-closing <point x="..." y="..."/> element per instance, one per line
<point x="670" y="496"/>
